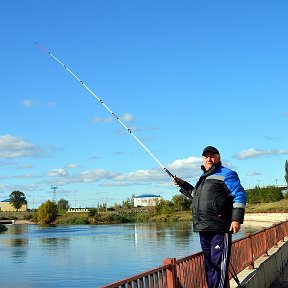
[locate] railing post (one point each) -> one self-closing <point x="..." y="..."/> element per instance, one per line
<point x="282" y="231"/>
<point x="275" y="236"/>
<point x="250" y="252"/>
<point x="171" y="274"/>
<point x="266" y="242"/>
<point x="285" y="230"/>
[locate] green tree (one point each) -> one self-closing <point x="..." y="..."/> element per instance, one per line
<point x="164" y="207"/>
<point x="181" y="203"/>
<point x="101" y="207"/>
<point x="63" y="204"/>
<point x="92" y="212"/>
<point x="264" y="194"/>
<point x="253" y="195"/>
<point x="128" y="203"/>
<point x="47" y="212"/>
<point x="17" y="199"/>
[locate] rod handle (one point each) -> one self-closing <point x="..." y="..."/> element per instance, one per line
<point x="169" y="173"/>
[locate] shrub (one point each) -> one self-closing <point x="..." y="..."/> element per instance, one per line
<point x="47" y="212"/>
<point x="111" y="217"/>
<point x="92" y="212"/>
<point x="3" y="228"/>
<point x="73" y="218"/>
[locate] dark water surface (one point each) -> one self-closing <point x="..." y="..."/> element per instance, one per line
<point x="89" y="256"/>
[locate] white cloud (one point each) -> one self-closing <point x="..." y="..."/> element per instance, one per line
<point x="271" y="138"/>
<point x="126" y="117"/>
<point x="26" y="176"/>
<point x="121" y="131"/>
<point x="61" y="176"/>
<point x="140" y="175"/>
<point x="256" y="153"/>
<point x="16" y="147"/>
<point x="72" y="166"/>
<point x="3" y="177"/>
<point x="95" y="175"/>
<point x="253" y="173"/>
<point x="190" y="163"/>
<point x="28" y="103"/>
<point x="188" y="169"/>
<point x="102" y="120"/>
<point x="51" y="104"/>
<point x="57" y="172"/>
<point x="25" y="166"/>
<point x="12" y="187"/>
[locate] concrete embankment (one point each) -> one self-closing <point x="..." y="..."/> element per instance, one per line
<point x="266" y="217"/>
<point x="266" y="268"/>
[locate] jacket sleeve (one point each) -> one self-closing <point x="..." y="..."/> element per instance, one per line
<point x="187" y="189"/>
<point x="238" y="193"/>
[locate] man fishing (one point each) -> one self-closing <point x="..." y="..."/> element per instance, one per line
<point x="218" y="209"/>
<point x="218" y="202"/>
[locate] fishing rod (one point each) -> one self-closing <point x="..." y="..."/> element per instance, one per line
<point x="106" y="106"/>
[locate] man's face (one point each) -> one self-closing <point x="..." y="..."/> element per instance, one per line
<point x="209" y="159"/>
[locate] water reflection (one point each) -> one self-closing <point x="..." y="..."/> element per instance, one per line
<point x="89" y="256"/>
<point x="16" y="242"/>
<point x="16" y="229"/>
<point x="52" y="243"/>
<point x="163" y="232"/>
<point x="183" y="232"/>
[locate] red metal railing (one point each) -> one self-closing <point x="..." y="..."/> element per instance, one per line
<point x="189" y="271"/>
<point x="159" y="277"/>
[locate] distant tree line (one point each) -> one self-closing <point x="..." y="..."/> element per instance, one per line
<point x="269" y="193"/>
<point x="49" y="210"/>
<point x="264" y="194"/>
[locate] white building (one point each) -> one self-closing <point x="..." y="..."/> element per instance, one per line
<point x="79" y="210"/>
<point x="146" y="200"/>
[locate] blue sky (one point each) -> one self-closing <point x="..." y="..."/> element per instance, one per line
<point x="180" y="74"/>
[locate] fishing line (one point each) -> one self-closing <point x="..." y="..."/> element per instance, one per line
<point x="106" y="107"/>
<point x="14" y="65"/>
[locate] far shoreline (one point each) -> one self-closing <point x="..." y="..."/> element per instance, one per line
<point x="250" y="219"/>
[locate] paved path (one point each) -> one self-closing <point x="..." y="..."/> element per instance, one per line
<point x="282" y="280"/>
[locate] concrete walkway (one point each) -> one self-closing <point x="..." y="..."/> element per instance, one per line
<point x="267" y="270"/>
<point x="282" y="280"/>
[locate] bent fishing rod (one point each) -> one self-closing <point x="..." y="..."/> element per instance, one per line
<point x="106" y="106"/>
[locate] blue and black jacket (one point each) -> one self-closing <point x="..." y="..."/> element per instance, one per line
<point x="218" y="199"/>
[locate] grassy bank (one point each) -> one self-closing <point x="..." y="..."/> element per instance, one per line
<point x="122" y="216"/>
<point x="273" y="207"/>
<point x="106" y="217"/>
<point x="16" y="215"/>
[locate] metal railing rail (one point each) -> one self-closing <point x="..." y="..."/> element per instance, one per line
<point x="158" y="277"/>
<point x="189" y="271"/>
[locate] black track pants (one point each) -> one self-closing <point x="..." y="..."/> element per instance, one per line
<point x="217" y="250"/>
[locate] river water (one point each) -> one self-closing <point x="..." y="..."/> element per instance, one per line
<point x="90" y="255"/>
